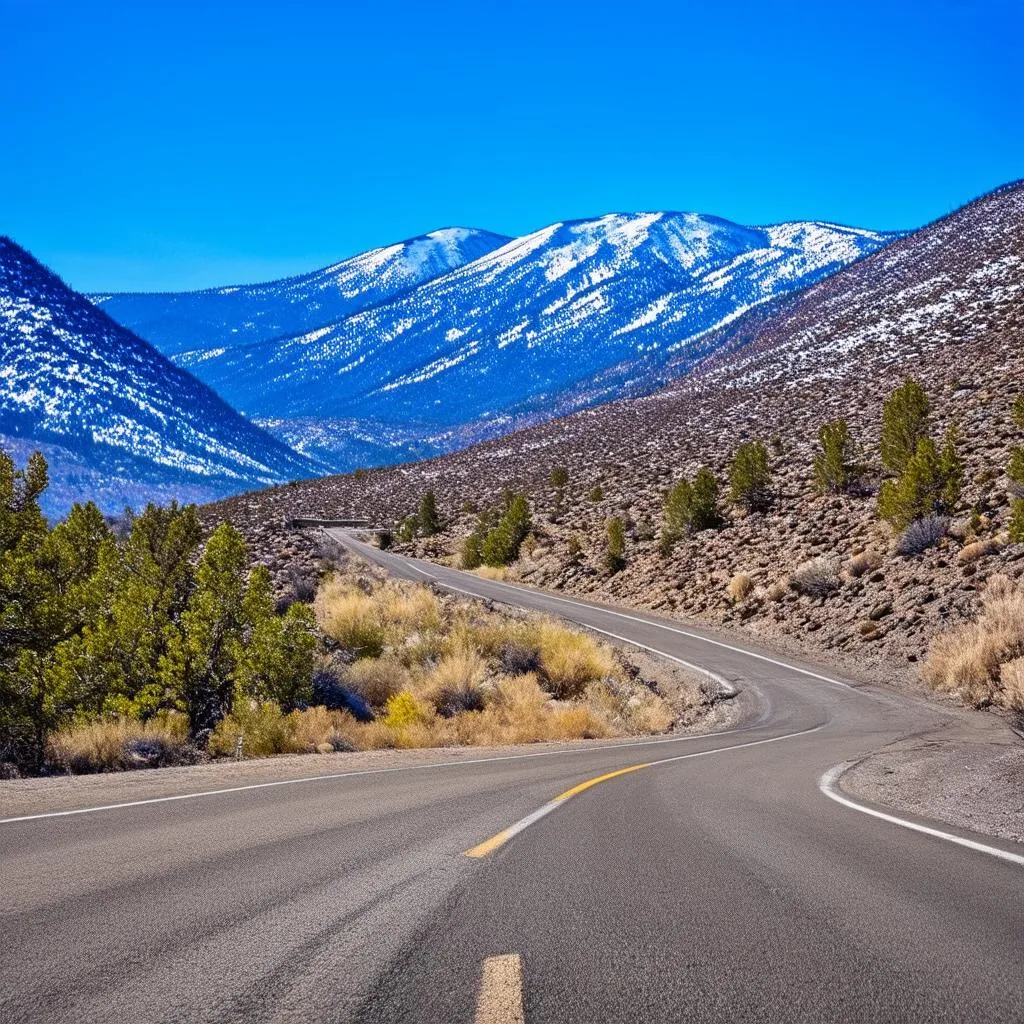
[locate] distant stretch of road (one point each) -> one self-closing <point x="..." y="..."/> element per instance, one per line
<point x="704" y="878"/>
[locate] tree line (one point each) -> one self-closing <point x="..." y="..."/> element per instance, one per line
<point x="136" y="622"/>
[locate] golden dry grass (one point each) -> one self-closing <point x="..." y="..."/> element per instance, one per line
<point x="972" y="552"/>
<point x="1012" y="677"/>
<point x="971" y="660"/>
<point x="740" y="587"/>
<point x="569" y="660"/>
<point x="104" y="745"/>
<point x="377" y="679"/>
<point x="366" y="623"/>
<point x="862" y="563"/>
<point x="440" y="672"/>
<point x="352" y="617"/>
<point x="494" y="572"/>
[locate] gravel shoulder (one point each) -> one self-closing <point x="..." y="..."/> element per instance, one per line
<point x="970" y="775"/>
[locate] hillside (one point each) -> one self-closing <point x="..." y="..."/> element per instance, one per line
<point x="118" y="422"/>
<point x="944" y="305"/>
<point x="562" y="319"/>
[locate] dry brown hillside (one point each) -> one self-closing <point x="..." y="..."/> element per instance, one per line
<point x="944" y="305"/>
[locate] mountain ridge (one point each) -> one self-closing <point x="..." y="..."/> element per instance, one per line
<point x="109" y="406"/>
<point x="507" y="339"/>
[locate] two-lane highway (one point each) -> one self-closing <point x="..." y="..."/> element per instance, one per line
<point x="716" y="883"/>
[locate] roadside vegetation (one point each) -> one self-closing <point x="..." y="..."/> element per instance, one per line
<point x="138" y="644"/>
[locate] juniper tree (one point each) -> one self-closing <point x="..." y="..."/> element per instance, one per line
<point x="559" y="478"/>
<point x="904" y="424"/>
<point x="1017" y="411"/>
<point x="690" y="506"/>
<point x="276" y="659"/>
<point x="930" y="484"/>
<point x="833" y="469"/>
<point x="1017" y="522"/>
<point x="501" y="545"/>
<point x="750" y="477"/>
<point x="615" y="553"/>
<point x="1015" y="470"/>
<point x="429" y="522"/>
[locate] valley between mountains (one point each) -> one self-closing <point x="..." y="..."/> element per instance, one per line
<point x="676" y="338"/>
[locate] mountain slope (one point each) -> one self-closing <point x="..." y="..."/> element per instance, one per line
<point x="112" y="412"/>
<point x="944" y="305"/>
<point x="245" y="314"/>
<point x="567" y="317"/>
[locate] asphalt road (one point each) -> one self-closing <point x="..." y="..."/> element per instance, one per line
<point x="718" y="883"/>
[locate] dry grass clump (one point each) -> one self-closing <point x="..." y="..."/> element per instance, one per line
<point x="570" y="660"/>
<point x="499" y="573"/>
<point x="779" y="589"/>
<point x="862" y="563"/>
<point x="740" y="587"/>
<point x="979" y="549"/>
<point x="367" y="622"/>
<point x="980" y="661"/>
<point x="817" y="578"/>
<point x="376" y="680"/>
<point x="635" y="713"/>
<point x="351" y="616"/>
<point x="1011" y="675"/>
<point x="118" y="744"/>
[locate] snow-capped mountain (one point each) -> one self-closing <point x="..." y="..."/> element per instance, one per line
<point x="243" y="314"/>
<point x="118" y="421"/>
<point x="563" y="318"/>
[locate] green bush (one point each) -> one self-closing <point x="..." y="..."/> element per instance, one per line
<point x="904" y="425"/>
<point x="833" y="462"/>
<point x="596" y="494"/>
<point x="1015" y="470"/>
<point x="690" y="506"/>
<point x="428" y="521"/>
<point x="502" y="543"/>
<point x="930" y="485"/>
<point x="1017" y="411"/>
<point x="471" y="555"/>
<point x="559" y="477"/>
<point x="750" y="477"/>
<point x="615" y="554"/>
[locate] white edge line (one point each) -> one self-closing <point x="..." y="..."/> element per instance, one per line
<point x="828" y="783"/>
<point x="370" y="771"/>
<point x="551" y="805"/>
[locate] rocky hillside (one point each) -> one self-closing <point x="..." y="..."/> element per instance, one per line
<point x="944" y="305"/>
<point x="119" y="423"/>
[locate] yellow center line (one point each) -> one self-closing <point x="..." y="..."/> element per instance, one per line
<point x="501" y="991"/>
<point x="488" y="846"/>
<point x="600" y="778"/>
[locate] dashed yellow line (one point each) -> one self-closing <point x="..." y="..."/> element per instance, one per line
<point x="500" y="1000"/>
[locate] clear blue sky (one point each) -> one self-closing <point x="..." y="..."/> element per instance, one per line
<point x="160" y="145"/>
